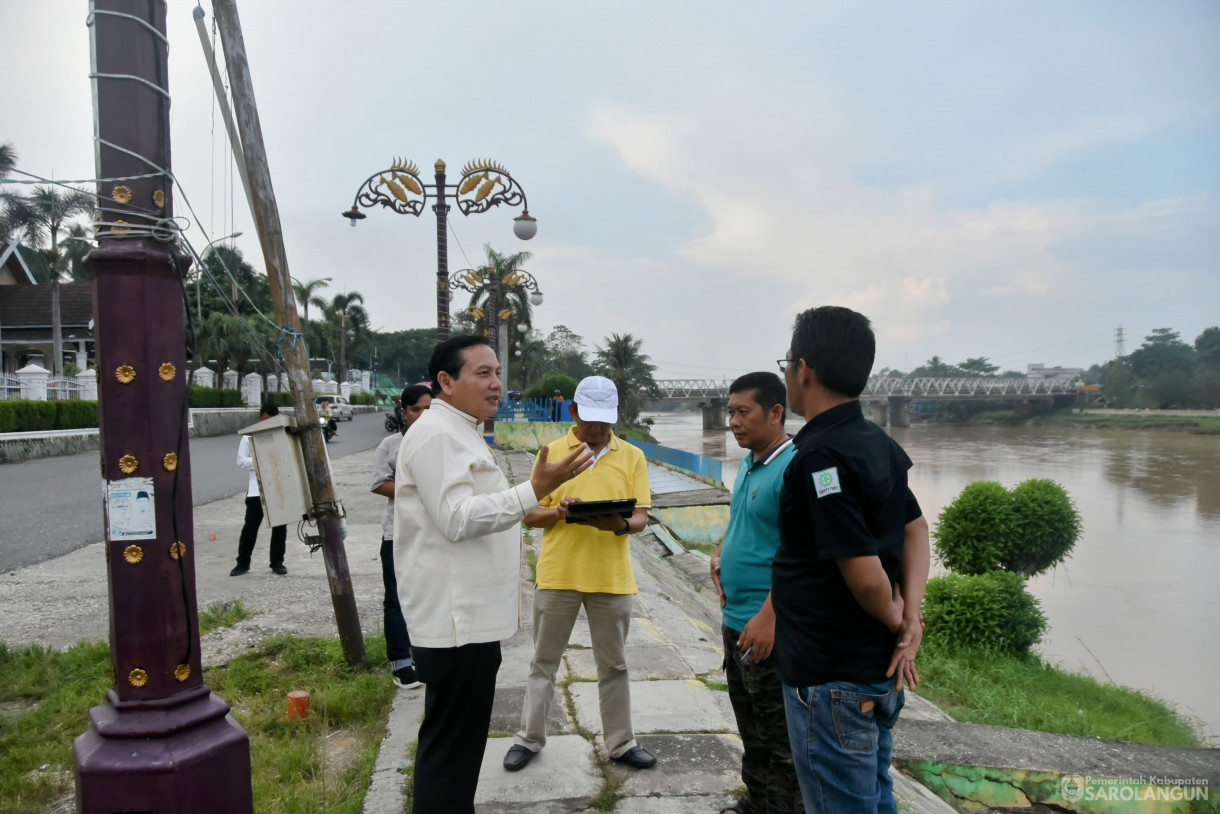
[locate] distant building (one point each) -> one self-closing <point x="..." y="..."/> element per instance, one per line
<point x="1065" y="374"/>
<point x="25" y="316"/>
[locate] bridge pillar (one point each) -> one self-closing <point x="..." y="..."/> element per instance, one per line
<point x="900" y="412"/>
<point x="715" y="416"/>
<point x="878" y="411"/>
<point x="1023" y="409"/>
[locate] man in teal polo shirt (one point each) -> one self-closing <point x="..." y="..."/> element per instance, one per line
<point x="741" y="571"/>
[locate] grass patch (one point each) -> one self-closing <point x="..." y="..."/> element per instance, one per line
<point x="610" y="792"/>
<point x="634" y="432"/>
<point x="47" y="695"/>
<point x="985" y="687"/>
<point x="719" y="686"/>
<point x="221" y="614"/>
<point x="322" y="763"/>
<point x="1136" y="421"/>
<point x="707" y="548"/>
<point x="531" y="559"/>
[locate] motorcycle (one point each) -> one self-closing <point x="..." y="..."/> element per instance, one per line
<point x="392" y="423"/>
<point x="326" y="423"/>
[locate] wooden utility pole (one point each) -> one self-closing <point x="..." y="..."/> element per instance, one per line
<point x="162" y="741"/>
<point x="292" y="342"/>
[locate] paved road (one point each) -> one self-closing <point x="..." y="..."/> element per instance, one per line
<point x="52" y="506"/>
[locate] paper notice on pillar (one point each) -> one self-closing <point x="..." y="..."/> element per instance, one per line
<point x="131" y="512"/>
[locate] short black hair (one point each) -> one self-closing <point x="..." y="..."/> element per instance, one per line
<point x="838" y="344"/>
<point x="413" y="393"/>
<point x="449" y="356"/>
<point x="768" y="391"/>
<point x="269" y="408"/>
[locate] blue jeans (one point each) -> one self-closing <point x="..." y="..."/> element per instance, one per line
<point x="842" y="745"/>
<point x="397" y="640"/>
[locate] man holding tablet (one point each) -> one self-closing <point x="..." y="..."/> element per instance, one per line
<point x="587" y="562"/>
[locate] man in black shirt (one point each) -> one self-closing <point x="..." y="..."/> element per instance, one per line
<point x="849" y="575"/>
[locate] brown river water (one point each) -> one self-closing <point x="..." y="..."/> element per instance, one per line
<point x="1138" y="601"/>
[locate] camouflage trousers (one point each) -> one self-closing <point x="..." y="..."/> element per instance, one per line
<point x="756" y="692"/>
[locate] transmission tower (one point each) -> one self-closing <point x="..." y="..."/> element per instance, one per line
<point x="1120" y="346"/>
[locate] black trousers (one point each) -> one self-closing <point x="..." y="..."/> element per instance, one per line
<point x="461" y="685"/>
<point x="249" y="533"/>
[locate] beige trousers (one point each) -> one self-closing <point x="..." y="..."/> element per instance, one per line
<point x="609" y="616"/>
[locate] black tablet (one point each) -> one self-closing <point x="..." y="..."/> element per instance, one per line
<point x="598" y="508"/>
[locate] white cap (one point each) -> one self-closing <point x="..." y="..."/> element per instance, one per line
<point x="597" y="398"/>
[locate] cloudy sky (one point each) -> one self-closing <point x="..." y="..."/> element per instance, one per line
<point x="1013" y="180"/>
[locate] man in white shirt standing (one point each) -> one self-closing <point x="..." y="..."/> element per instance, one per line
<point x="457" y="555"/>
<point x="254" y="510"/>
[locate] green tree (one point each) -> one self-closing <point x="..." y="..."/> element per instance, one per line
<point x="623" y="362"/>
<point x="229" y="341"/>
<point x="404" y="354"/>
<point x="346" y="322"/>
<point x="493" y="300"/>
<point x="1162" y="352"/>
<point x="76" y="248"/>
<point x="977" y="366"/>
<point x="230" y="279"/>
<point x="1118" y="384"/>
<point x="306" y="294"/>
<point x="1207" y="348"/>
<point x="935" y="368"/>
<point x="565" y="353"/>
<point x="43" y="215"/>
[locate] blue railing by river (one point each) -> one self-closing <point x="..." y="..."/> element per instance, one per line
<point x="698" y="464"/>
<point x="539" y="409"/>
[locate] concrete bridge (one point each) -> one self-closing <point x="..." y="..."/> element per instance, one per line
<point x="887" y="399"/>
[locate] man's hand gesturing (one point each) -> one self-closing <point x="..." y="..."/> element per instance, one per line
<point x="549" y="476"/>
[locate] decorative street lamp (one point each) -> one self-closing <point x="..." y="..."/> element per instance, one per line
<point x="498" y="312"/>
<point x="483" y="184"/>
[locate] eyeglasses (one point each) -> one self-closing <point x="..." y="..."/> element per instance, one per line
<point x="783" y="364"/>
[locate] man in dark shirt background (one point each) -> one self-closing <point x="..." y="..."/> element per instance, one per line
<point x="849" y="575"/>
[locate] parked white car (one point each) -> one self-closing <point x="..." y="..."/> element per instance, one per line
<point x="340" y="406"/>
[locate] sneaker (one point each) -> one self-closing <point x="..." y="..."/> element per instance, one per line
<point x="239" y="570"/>
<point x="405" y="678"/>
<point x="279" y="569"/>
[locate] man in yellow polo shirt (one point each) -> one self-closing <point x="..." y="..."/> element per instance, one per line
<point x="587" y="564"/>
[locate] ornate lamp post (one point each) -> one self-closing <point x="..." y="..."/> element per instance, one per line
<point x="498" y="313"/>
<point x="483" y="184"/>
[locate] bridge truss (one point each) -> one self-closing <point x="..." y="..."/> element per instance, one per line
<point x="886" y="387"/>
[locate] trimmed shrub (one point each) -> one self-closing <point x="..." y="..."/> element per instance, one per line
<point x="991" y="611"/>
<point x="547" y="387"/>
<point x="973" y="532"/>
<point x="215" y="397"/>
<point x="27" y="416"/>
<point x="8" y="416"/>
<point x="364" y="398"/>
<point x="75" y="415"/>
<point x="1046" y="526"/>
<point x="280" y="398"/>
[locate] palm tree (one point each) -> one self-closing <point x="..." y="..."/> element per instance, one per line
<point x="80" y="243"/>
<point x="346" y="313"/>
<point x="622" y="362"/>
<point x="228" y="340"/>
<point x="306" y="295"/>
<point x="42" y="215"/>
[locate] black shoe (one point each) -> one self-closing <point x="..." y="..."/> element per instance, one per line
<point x="279" y="569"/>
<point x="517" y="757"/>
<point x="239" y="570"/>
<point x="637" y="757"/>
<point x="405" y="678"/>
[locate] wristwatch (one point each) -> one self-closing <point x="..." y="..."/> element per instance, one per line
<point x="626" y="529"/>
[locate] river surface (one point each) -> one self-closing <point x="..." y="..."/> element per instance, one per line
<point x="1138" y="601"/>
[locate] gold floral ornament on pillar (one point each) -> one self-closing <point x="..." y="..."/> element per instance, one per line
<point x="177" y="550"/>
<point x="137" y="677"/>
<point x="182" y="672"/>
<point x="121" y="194"/>
<point x="170" y="461"/>
<point x="128" y="464"/>
<point x="167" y="372"/>
<point x="126" y="374"/>
<point x="133" y="554"/>
<point x="159" y="198"/>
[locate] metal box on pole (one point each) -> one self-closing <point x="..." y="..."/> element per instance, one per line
<point x="283" y="484"/>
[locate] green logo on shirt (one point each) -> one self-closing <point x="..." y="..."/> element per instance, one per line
<point x="826" y="482"/>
